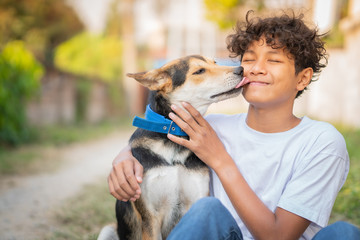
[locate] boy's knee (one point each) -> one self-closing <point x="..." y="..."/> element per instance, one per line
<point x="208" y="202"/>
<point x="339" y="230"/>
<point x="208" y="206"/>
<point x="347" y="229"/>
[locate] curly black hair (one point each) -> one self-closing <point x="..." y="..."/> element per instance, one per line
<point x="303" y="44"/>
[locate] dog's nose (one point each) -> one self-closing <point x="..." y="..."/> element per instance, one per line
<point x="239" y="70"/>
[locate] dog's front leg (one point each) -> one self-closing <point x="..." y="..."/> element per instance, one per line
<point x="151" y="229"/>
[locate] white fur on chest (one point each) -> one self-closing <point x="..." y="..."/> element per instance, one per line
<point x="169" y="191"/>
<point x="165" y="187"/>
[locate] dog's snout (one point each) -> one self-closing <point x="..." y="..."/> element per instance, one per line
<point x="239" y="70"/>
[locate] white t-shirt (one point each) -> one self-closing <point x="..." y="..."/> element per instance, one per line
<point x="300" y="170"/>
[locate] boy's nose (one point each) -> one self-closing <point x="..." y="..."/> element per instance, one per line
<point x="239" y="70"/>
<point x="258" y="67"/>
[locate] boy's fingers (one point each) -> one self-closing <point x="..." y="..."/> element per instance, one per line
<point x="112" y="189"/>
<point x="138" y="168"/>
<point x="131" y="178"/>
<point x="195" y="114"/>
<point x="115" y="188"/>
<point x="125" y="180"/>
<point x="178" y="140"/>
<point x="184" y="115"/>
<point x="183" y="125"/>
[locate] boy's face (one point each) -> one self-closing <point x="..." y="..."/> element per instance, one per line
<point x="272" y="76"/>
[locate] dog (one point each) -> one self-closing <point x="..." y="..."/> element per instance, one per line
<point x="174" y="177"/>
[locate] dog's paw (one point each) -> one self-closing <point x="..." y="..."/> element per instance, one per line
<point x="108" y="233"/>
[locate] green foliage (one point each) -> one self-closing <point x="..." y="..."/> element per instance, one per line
<point x="41" y="24"/>
<point x="335" y="38"/>
<point x="83" y="89"/>
<point x="114" y="22"/>
<point x="226" y="12"/>
<point x="20" y="77"/>
<point x="222" y="12"/>
<point x="347" y="203"/>
<point x="92" y="56"/>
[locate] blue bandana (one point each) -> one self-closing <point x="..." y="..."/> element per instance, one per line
<point x="157" y="123"/>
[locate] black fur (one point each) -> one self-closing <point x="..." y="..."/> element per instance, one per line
<point x="147" y="158"/>
<point x="124" y="210"/>
<point x="159" y="104"/>
<point x="130" y="225"/>
<point x="124" y="227"/>
<point x="178" y="72"/>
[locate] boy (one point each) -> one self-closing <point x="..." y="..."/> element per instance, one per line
<point x="274" y="175"/>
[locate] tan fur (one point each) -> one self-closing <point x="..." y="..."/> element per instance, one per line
<point x="213" y="70"/>
<point x="170" y="188"/>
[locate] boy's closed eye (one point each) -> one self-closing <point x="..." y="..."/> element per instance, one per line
<point x="248" y="59"/>
<point x="275" y="60"/>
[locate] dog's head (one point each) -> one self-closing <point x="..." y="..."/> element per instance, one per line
<point x="193" y="79"/>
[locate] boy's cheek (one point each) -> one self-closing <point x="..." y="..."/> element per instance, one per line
<point x="246" y="73"/>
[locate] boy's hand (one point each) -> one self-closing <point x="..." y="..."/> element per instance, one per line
<point x="125" y="176"/>
<point x="203" y="140"/>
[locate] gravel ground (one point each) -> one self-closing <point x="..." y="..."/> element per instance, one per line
<point x="27" y="202"/>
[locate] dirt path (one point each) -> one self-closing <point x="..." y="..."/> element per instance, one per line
<point x="27" y="202"/>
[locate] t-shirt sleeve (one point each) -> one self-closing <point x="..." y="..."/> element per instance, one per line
<point x="317" y="179"/>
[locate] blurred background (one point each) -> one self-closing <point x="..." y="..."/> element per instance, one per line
<point x="63" y="66"/>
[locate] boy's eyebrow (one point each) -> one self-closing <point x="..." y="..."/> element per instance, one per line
<point x="249" y="51"/>
<point x="275" y="51"/>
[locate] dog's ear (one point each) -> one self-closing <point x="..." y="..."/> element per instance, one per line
<point x="152" y="79"/>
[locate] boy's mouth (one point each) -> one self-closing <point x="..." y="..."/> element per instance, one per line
<point x="243" y="82"/>
<point x="237" y="88"/>
<point x="258" y="83"/>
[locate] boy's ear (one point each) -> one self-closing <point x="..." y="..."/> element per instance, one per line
<point x="152" y="79"/>
<point x="304" y="78"/>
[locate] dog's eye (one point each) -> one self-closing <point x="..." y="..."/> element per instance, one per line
<point x="200" y="71"/>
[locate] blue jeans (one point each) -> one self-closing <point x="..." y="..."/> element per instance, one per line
<point x="338" y="230"/>
<point x="209" y="219"/>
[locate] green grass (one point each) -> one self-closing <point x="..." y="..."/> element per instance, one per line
<point x="38" y="153"/>
<point x="347" y="204"/>
<point x="62" y="135"/>
<point x="24" y="160"/>
<point x="83" y="216"/>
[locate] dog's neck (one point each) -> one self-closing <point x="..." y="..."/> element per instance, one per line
<point x="161" y="105"/>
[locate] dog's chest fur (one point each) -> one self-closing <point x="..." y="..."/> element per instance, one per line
<point x="174" y="178"/>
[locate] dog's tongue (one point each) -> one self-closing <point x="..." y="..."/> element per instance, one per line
<point x="244" y="81"/>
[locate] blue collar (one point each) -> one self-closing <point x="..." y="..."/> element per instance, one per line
<point x="157" y="123"/>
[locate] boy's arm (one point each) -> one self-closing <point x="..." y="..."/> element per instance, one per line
<point x="125" y="176"/>
<point x="261" y="222"/>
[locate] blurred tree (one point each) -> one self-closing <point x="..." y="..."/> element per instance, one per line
<point x="41" y="24"/>
<point x="120" y="23"/>
<point x="96" y="57"/>
<point x="113" y="24"/>
<point x="92" y="56"/>
<point x="335" y="38"/>
<point x="226" y="12"/>
<point x="20" y="77"/>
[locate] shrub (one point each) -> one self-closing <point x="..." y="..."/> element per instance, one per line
<point x="91" y="56"/>
<point x="347" y="203"/>
<point x="20" y="77"/>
